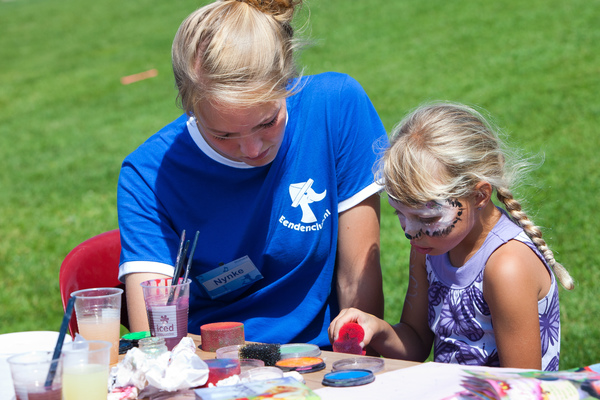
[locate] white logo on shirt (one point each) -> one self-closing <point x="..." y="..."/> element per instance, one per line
<point x="302" y="195"/>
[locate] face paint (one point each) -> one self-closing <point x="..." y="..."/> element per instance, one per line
<point x="431" y="219"/>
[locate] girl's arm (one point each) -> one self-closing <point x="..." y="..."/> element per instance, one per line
<point x="414" y="336"/>
<point x="515" y="279"/>
<point x="411" y="339"/>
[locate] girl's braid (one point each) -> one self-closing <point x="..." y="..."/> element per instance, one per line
<point x="534" y="232"/>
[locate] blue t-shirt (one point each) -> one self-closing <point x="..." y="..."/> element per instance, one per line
<point x="282" y="216"/>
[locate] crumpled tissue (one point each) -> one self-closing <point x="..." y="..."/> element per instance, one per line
<point x="173" y="370"/>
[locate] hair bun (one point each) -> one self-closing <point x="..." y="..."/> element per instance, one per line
<point x="284" y="8"/>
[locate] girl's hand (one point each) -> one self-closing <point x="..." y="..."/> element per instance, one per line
<point x="368" y="322"/>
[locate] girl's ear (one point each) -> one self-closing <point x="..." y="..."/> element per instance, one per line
<point x="483" y="194"/>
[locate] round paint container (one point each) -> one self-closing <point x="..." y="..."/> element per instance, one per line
<point x="219" y="369"/>
<point x="369" y="363"/>
<point x="262" y="373"/>
<point x="248" y="363"/>
<point x="229" y="351"/>
<point x="302" y="365"/>
<point x="297" y="350"/>
<point x="349" y="377"/>
<point x="221" y="334"/>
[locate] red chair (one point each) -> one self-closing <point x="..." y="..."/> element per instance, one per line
<point x="91" y="264"/>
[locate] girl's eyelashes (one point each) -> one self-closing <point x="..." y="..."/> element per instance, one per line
<point x="425" y="221"/>
<point x="271" y="122"/>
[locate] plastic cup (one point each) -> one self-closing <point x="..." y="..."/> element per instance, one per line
<point x="29" y="372"/>
<point x="167" y="307"/>
<point x="98" y="312"/>
<point x="85" y="370"/>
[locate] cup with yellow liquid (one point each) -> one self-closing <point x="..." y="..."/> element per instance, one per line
<point x="85" y="370"/>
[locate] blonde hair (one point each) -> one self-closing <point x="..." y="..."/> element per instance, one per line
<point x="442" y="151"/>
<point x="236" y="52"/>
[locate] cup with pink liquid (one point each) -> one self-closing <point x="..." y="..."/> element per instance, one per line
<point x="98" y="312"/>
<point x="167" y="306"/>
<point x="30" y="376"/>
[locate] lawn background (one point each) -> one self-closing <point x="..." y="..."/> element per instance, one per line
<point x="66" y="121"/>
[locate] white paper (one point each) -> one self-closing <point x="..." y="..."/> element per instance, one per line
<point x="428" y="381"/>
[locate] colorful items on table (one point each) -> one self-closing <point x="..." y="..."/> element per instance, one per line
<point x="221" y="334"/>
<point x="349" y="339"/>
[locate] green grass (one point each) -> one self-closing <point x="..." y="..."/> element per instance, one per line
<point x="66" y="122"/>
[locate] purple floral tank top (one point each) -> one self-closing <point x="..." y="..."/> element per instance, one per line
<point x="459" y="316"/>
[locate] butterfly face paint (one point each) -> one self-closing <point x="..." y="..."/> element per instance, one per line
<point x="432" y="219"/>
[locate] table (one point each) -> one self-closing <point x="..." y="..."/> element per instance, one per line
<point x="314" y="379"/>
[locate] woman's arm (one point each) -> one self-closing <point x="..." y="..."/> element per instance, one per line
<point x="514" y="280"/>
<point x="136" y="308"/>
<point x="358" y="276"/>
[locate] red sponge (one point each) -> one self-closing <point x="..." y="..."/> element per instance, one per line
<point x="349" y="339"/>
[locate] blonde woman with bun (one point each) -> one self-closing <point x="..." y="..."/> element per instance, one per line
<point x="274" y="169"/>
<point x="482" y="287"/>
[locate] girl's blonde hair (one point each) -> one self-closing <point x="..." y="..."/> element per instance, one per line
<point x="442" y="151"/>
<point x="236" y="52"/>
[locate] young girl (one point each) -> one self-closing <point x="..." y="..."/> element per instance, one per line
<point x="481" y="288"/>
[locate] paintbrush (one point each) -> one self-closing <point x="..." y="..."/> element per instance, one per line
<point x="183" y="246"/>
<point x="59" y="342"/>
<point x="180" y="258"/>
<point x="191" y="256"/>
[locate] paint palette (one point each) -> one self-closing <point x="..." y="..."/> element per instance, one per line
<point x="369" y="363"/>
<point x="347" y="378"/>
<point x="302" y="365"/>
<point x="297" y="350"/>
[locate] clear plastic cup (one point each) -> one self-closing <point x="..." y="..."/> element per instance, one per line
<point x="30" y="372"/>
<point x="85" y="369"/>
<point x="167" y="307"/>
<point x="98" y="312"/>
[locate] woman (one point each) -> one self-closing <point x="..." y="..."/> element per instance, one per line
<point x="273" y="170"/>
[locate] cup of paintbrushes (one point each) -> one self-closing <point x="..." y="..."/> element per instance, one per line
<point x="167" y="306"/>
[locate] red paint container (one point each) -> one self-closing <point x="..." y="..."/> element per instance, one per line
<point x="221" y="368"/>
<point x="221" y="334"/>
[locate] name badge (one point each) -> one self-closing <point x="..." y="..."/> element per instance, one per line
<point x="229" y="277"/>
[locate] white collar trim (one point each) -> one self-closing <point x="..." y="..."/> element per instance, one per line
<point x="209" y="151"/>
